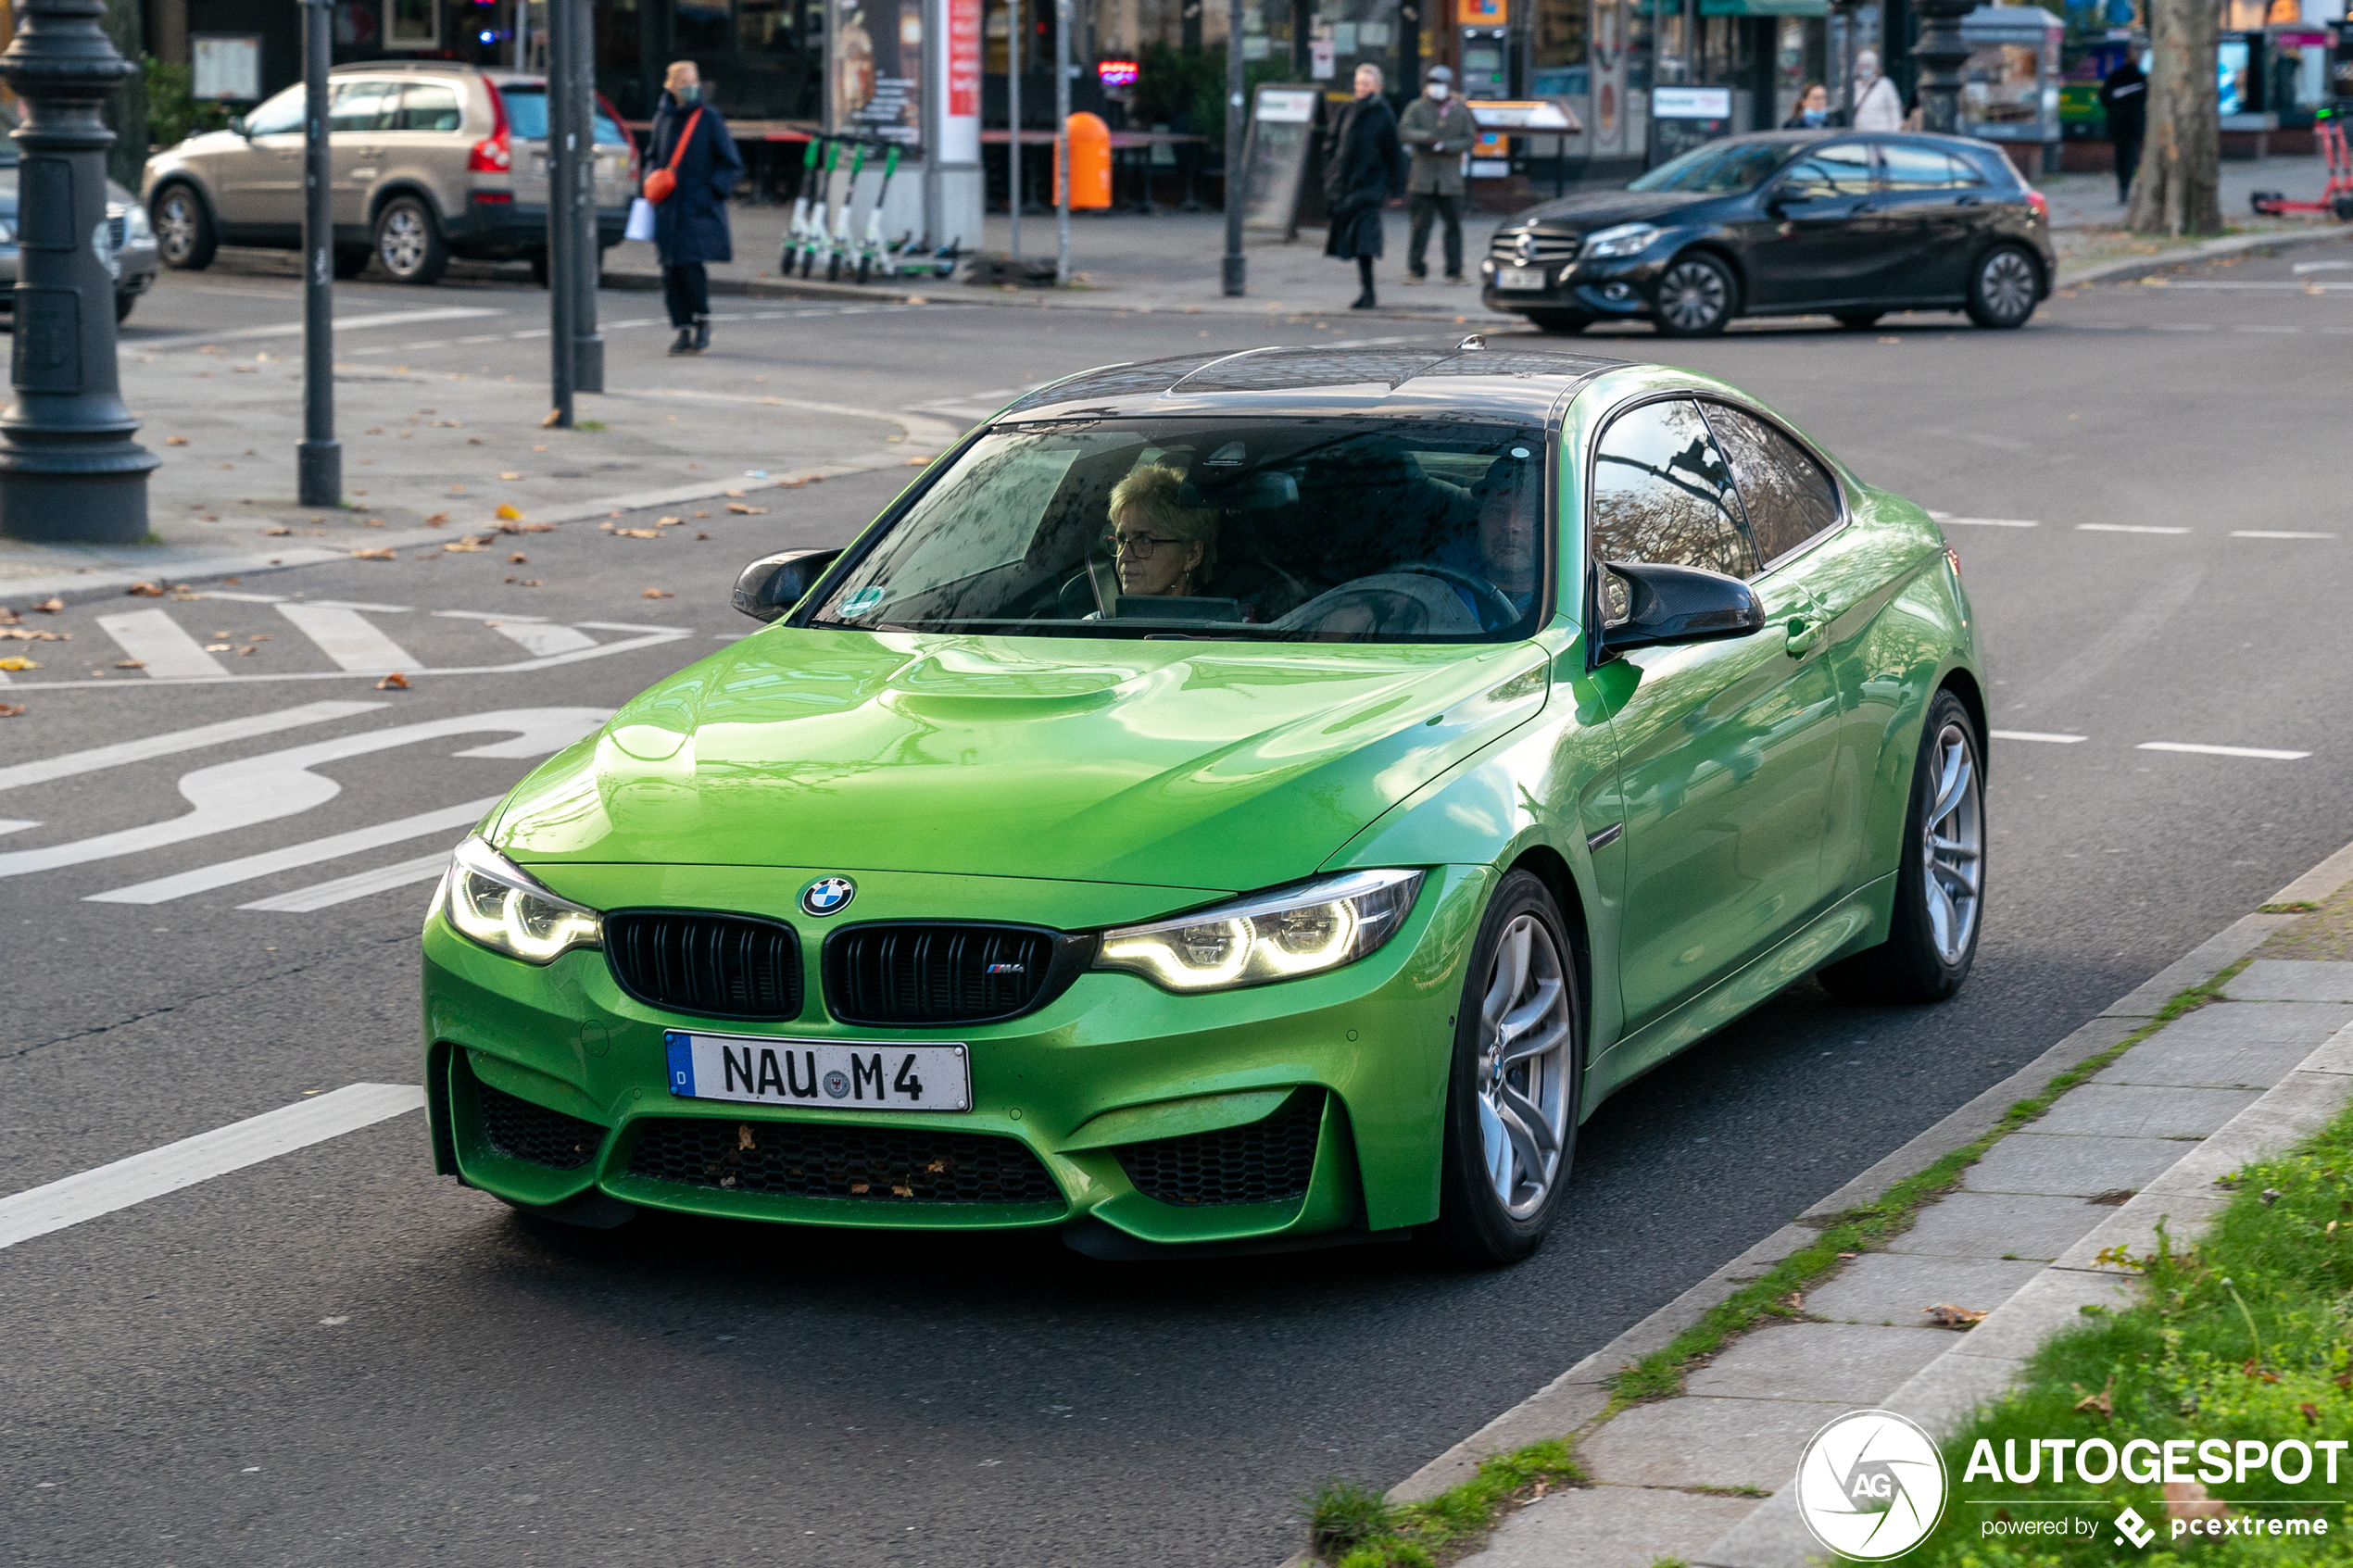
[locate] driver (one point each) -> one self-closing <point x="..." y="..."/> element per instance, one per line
<point x="1503" y="549"/>
<point x="1163" y="547"/>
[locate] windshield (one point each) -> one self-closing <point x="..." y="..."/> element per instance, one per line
<point x="1718" y="168"/>
<point x="527" y="114"/>
<point x="1328" y="530"/>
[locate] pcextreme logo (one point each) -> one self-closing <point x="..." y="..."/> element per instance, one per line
<point x="1870" y="1486"/>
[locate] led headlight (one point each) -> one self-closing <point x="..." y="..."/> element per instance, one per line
<point x="1627" y="239"/>
<point x="498" y="904"/>
<point x="1293" y="931"/>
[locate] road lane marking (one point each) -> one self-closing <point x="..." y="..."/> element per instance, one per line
<point x="2124" y="528"/>
<point x="156" y="640"/>
<point x="175" y="741"/>
<point x="349" y="638"/>
<point x="542" y="639"/>
<point x="2274" y="534"/>
<point x="268" y="862"/>
<point x="2303" y="266"/>
<point x="294" y="329"/>
<point x="159" y="1171"/>
<point x="2181" y="326"/>
<point x="1989" y="521"/>
<point x="363" y="884"/>
<point x="2037" y="734"/>
<point x="280" y="783"/>
<point x="2221" y="750"/>
<point x="2267" y="329"/>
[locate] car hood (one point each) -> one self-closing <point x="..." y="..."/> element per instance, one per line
<point x="1220" y="766"/>
<point x="1602" y="210"/>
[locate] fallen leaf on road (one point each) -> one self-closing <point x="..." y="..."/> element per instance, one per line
<point x="145" y="590"/>
<point x="437" y="519"/>
<point x="658" y="594"/>
<point x="916" y="463"/>
<point x="247" y="648"/>
<point x="175" y="441"/>
<point x="742" y="510"/>
<point x="15" y="635"/>
<point x="702" y="514"/>
<point x="790" y="483"/>
<point x="670" y="522"/>
<point x="526" y="582"/>
<point x="702" y="535"/>
<point x="473" y="441"/>
<point x="18" y="661"/>
<point x="375" y="522"/>
<point x="374" y="555"/>
<point x="2104" y="1401"/>
<point x="396" y="681"/>
<point x="541" y="447"/>
<point x="508" y="512"/>
<point x="130" y="664"/>
<point x="510" y="476"/>
<point x="11" y="711"/>
<point x="1945" y="1315"/>
<point x="461" y="547"/>
<point x="554" y="415"/>
<point x="457" y="490"/>
<point x="637" y="532"/>
<point x="50" y="606"/>
<point x="731" y="492"/>
<point x="519" y="558"/>
<point x="218" y="647"/>
<point x="277" y="532"/>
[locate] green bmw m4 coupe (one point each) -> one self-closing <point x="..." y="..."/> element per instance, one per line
<point x="1229" y="803"/>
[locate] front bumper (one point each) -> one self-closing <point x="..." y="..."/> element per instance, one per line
<point x="1616" y="287"/>
<point x="136" y="265"/>
<point x="1080" y="1109"/>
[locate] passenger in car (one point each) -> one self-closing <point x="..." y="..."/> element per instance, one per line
<point x="1163" y="549"/>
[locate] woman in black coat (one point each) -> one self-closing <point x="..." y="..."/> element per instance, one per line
<point x="690" y="225"/>
<point x="1365" y="167"/>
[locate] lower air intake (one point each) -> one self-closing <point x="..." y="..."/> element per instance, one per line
<point x="533" y="1133"/>
<point x="812" y="1160"/>
<point x="1267" y="1161"/>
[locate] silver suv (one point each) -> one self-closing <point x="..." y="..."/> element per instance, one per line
<point x="431" y="160"/>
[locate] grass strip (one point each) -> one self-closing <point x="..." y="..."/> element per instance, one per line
<point x="1351" y="1526"/>
<point x="2244" y="1337"/>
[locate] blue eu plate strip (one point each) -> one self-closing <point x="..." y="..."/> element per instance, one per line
<point x="682" y="1063"/>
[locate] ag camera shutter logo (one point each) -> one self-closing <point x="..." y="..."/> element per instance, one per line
<point x="1871" y="1486"/>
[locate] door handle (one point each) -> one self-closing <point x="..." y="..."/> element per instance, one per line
<point x="1804" y="634"/>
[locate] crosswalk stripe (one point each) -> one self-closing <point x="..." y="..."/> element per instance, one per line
<point x="156" y="640"/>
<point x="223" y="873"/>
<point x="171" y="742"/>
<point x="542" y="638"/>
<point x="89" y="1194"/>
<point x="349" y="638"/>
<point x="344" y="889"/>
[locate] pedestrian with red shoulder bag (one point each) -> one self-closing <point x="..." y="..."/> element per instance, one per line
<point x="695" y="164"/>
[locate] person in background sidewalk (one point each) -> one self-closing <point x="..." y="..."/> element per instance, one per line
<point x="2124" y="98"/>
<point x="1437" y="130"/>
<point x="1364" y="166"/>
<point x="1812" y="110"/>
<point x="690" y="226"/>
<point x="1878" y="107"/>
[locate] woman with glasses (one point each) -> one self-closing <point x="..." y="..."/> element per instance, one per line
<point x="1163" y="547"/>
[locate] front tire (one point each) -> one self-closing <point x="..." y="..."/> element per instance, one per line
<point x="408" y="242"/>
<point x="2004" y="289"/>
<point x="1560" y="324"/>
<point x="1696" y="297"/>
<point x="184" y="235"/>
<point x="1515" y="1088"/>
<point x="1940" y="880"/>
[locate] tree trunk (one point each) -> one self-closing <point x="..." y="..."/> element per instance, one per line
<point x="2178" y="190"/>
<point x="126" y="110"/>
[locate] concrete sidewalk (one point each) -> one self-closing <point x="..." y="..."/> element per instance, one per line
<point x="2020" y="1239"/>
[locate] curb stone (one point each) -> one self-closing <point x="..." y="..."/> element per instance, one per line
<point x="2229" y="245"/>
<point x="1977" y="1367"/>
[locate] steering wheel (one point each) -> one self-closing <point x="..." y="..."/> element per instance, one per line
<point x="1492" y="599"/>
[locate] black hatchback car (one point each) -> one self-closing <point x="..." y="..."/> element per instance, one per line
<point x="1846" y="223"/>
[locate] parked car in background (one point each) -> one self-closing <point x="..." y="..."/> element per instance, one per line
<point x="1844" y="223"/>
<point x="130" y="244"/>
<point x="431" y="160"/>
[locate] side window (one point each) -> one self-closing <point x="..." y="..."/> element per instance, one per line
<point x="1788" y="497"/>
<point x="279" y="116"/>
<point x="364" y="106"/>
<point x="431" y="105"/>
<point x="1843" y="168"/>
<point x="1662" y="493"/>
<point x="1910" y="167"/>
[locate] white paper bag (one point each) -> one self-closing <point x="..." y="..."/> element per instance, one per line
<point x="641" y="220"/>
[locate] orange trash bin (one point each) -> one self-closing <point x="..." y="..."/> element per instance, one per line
<point x="1089" y="142"/>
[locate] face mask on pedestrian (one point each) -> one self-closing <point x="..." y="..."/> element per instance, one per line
<point x="688" y="95"/>
<point x="1437" y="91"/>
<point x="1813" y="118"/>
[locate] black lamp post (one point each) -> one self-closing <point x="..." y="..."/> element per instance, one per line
<point x="1941" y="53"/>
<point x="69" y="468"/>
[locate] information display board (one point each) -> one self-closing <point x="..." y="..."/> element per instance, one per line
<point x="1282" y="137"/>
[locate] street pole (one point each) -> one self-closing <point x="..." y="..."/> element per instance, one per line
<point x="1237" y="268"/>
<point x="579" y="134"/>
<point x="318" y="460"/>
<point x="563" y="233"/>
<point x="1062" y="144"/>
<point x="1012" y="104"/>
<point x="1942" y="53"/>
<point x="69" y="468"/>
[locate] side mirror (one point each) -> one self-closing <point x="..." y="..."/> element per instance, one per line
<point x="1643" y="605"/>
<point x="237" y="124"/>
<point x="773" y="585"/>
<point x="1785" y="198"/>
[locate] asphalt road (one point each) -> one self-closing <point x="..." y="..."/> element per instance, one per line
<point x="333" y="1355"/>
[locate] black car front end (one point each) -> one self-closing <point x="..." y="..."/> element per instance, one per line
<point x="1609" y="273"/>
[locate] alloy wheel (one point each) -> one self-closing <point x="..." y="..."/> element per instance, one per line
<point x="2005" y="286"/>
<point x="1953" y="845"/>
<point x="401" y="242"/>
<point x="1524" y="1067"/>
<point x="176" y="226"/>
<point x="1694" y="296"/>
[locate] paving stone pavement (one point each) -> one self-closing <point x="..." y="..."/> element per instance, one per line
<point x="2020" y="1239"/>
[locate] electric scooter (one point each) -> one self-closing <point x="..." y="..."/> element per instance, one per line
<point x="799" y="227"/>
<point x="841" y="246"/>
<point x="2336" y="196"/>
<point x="813" y="236"/>
<point x="872" y="252"/>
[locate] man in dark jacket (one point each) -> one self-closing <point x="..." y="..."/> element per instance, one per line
<point x="2124" y="98"/>
<point x="690" y="224"/>
<point x="1364" y="166"/>
<point x="1439" y="130"/>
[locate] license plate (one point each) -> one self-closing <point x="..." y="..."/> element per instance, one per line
<point x="1519" y="277"/>
<point x="819" y="1074"/>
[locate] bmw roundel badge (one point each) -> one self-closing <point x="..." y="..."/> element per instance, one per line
<point x="827" y="896"/>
